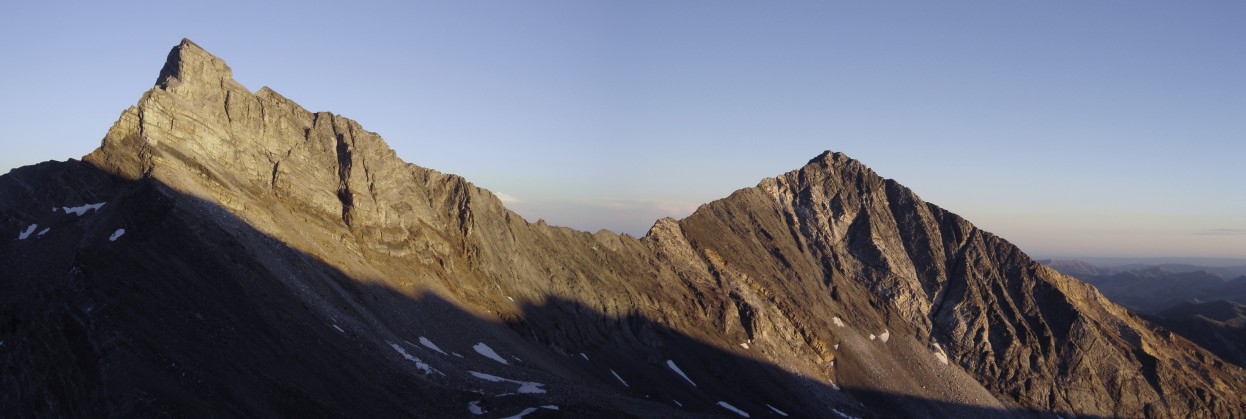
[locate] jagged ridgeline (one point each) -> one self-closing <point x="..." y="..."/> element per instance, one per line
<point x="230" y="254"/>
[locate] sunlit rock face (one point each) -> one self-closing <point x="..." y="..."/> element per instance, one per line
<point x="253" y="258"/>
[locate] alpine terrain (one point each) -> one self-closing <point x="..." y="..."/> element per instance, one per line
<point x="228" y="253"/>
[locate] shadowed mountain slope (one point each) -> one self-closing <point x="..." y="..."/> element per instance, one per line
<point x="277" y="261"/>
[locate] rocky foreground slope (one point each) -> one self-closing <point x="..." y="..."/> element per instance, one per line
<point x="229" y="253"/>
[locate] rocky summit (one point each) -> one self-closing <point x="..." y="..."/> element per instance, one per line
<point x="228" y="253"/>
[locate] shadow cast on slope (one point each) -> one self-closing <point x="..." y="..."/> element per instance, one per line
<point x="193" y="313"/>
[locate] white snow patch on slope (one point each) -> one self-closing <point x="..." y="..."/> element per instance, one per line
<point x="488" y="352"/>
<point x="29" y="230"/>
<point x="116" y="235"/>
<point x="886" y="335"/>
<point x="776" y="410"/>
<point x="430" y="345"/>
<point x="526" y="387"/>
<point x="728" y="406"/>
<point x="844" y="415"/>
<point x="335" y="326"/>
<point x="44" y="231"/>
<point x="418" y="363"/>
<point x="837" y="321"/>
<point x="582" y="355"/>
<point x="525" y="412"/>
<point x="474" y="407"/>
<point x="677" y="403"/>
<point x="872" y="337"/>
<point x="82" y="210"/>
<point x="938" y="352"/>
<point x="616" y="375"/>
<point x="550" y="407"/>
<point x="675" y="368"/>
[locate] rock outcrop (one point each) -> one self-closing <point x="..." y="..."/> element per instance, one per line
<point x="253" y="258"/>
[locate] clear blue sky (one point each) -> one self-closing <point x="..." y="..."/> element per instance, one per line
<point x="1112" y="128"/>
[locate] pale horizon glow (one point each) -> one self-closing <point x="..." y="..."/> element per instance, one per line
<point x="1106" y="129"/>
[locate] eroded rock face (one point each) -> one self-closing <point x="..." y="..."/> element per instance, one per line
<point x="279" y="261"/>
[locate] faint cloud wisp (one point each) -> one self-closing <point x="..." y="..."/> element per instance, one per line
<point x="507" y="199"/>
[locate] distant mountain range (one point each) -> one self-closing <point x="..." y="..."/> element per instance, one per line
<point x="1202" y="303"/>
<point x="1224" y="269"/>
<point x="1219" y="326"/>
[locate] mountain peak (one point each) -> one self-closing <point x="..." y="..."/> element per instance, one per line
<point x="190" y="63"/>
<point x="835" y="159"/>
<point x="829" y="156"/>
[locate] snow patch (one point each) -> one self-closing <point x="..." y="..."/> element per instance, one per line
<point x="776" y="410"/>
<point x="728" y="406"/>
<point x="529" y="410"/>
<point x="116" y="235"/>
<point x="29" y="230"/>
<point x="44" y="231"/>
<point x="843" y="415"/>
<point x="671" y="364"/>
<point x="82" y="210"/>
<point x="418" y="363"/>
<point x="457" y="354"/>
<point x="886" y="335"/>
<point x="677" y="403"/>
<point x="744" y="345"/>
<point x="583" y="356"/>
<point x="525" y="412"/>
<point x="616" y="375"/>
<point x="872" y="337"/>
<point x="526" y="387"/>
<point x="474" y="407"/>
<point x="939" y="354"/>
<point x="837" y="321"/>
<point x="488" y="352"/>
<point x="335" y="326"/>
<point x="430" y="345"/>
